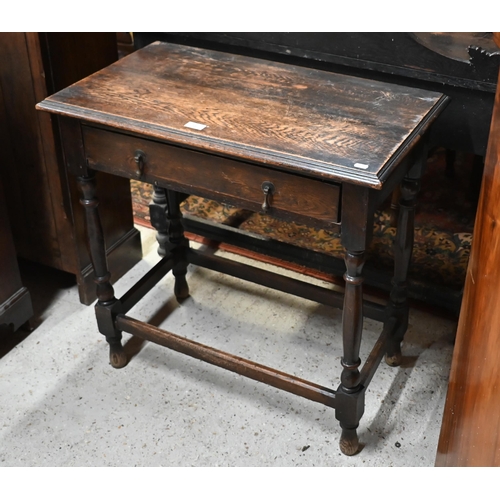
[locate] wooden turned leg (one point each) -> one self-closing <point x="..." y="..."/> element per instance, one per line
<point x="349" y="409"/>
<point x="403" y="246"/>
<point x="352" y="320"/>
<point x="158" y="217"/>
<point x="105" y="294"/>
<point x="166" y="218"/>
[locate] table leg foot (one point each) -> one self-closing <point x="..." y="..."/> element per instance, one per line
<point x="181" y="288"/>
<point x="349" y="442"/>
<point x="117" y="356"/>
<point x="349" y="408"/>
<point x="394" y="359"/>
<point x="393" y="355"/>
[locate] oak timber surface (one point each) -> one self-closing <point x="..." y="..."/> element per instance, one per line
<point x="317" y="123"/>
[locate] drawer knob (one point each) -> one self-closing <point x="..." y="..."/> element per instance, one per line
<point x="268" y="189"/>
<point x="139" y="160"/>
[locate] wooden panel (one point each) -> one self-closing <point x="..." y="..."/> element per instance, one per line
<point x="470" y="434"/>
<point x="315" y="123"/>
<point x="28" y="195"/>
<point x="220" y="178"/>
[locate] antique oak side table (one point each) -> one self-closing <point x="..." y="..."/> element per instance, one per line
<point x="297" y="143"/>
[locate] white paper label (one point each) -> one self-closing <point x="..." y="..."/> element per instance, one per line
<point x="195" y="126"/>
<point x="361" y="165"/>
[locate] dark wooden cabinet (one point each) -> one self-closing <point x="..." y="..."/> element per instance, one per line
<point x="15" y="301"/>
<point x="42" y="201"/>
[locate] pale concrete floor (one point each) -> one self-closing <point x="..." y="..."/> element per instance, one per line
<point x="63" y="405"/>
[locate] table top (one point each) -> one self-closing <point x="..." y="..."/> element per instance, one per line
<point x="315" y="123"/>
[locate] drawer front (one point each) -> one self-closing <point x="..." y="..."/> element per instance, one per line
<point x="292" y="197"/>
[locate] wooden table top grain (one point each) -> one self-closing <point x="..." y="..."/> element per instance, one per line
<point x="315" y="123"/>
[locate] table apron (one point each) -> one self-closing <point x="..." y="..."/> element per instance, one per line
<point x="292" y="197"/>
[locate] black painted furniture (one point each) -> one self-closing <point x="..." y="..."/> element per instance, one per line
<point x="297" y="143"/>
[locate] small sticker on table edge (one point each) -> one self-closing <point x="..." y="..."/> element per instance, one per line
<point x="361" y="165"/>
<point x="195" y="126"/>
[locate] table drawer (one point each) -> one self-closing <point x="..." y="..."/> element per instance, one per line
<point x="292" y="197"/>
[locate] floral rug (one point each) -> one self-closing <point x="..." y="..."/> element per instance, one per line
<point x="444" y="222"/>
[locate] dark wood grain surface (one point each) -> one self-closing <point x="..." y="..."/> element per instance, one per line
<point x="316" y="123"/>
<point x="470" y="434"/>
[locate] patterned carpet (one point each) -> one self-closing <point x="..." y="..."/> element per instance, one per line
<point x="444" y="223"/>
